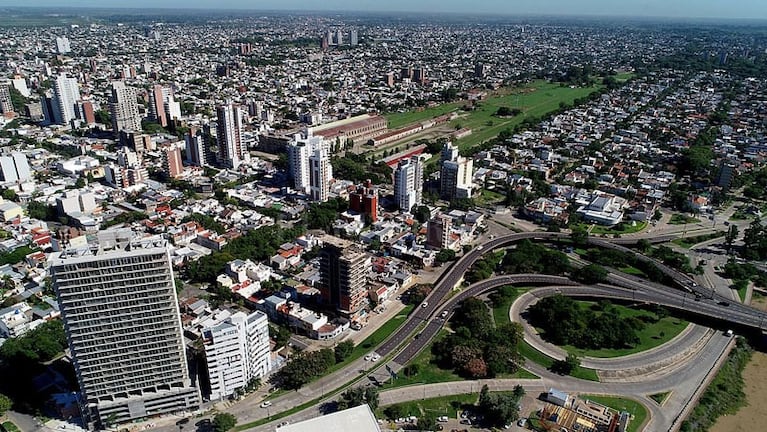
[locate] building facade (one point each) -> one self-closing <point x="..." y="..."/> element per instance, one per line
<point x="124" y="108"/>
<point x="66" y="95"/>
<point x="343" y="272"/>
<point x="364" y="200"/>
<point x="236" y="352"/>
<point x="171" y="162"/>
<point x="408" y="183"/>
<point x="320" y="174"/>
<point x="229" y="124"/>
<point x="121" y="316"/>
<point x="299" y="150"/>
<point x="196" y="151"/>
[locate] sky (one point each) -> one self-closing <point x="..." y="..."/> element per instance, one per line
<point x="752" y="9"/>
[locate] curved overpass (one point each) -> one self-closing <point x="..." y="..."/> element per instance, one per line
<point x="718" y="306"/>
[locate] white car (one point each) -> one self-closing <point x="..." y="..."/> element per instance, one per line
<point x="424" y="304"/>
<point x="375" y="358"/>
<point x="368" y="357"/>
<point x="266" y="404"/>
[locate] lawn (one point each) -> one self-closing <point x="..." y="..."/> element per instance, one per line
<point x="654" y="333"/>
<point x="542" y="359"/>
<point x="440" y="406"/>
<point x="688" y="242"/>
<point x="680" y="219"/>
<point x="398" y="120"/>
<point x="501" y="310"/>
<point x="621" y="228"/>
<point x="488" y="198"/>
<point x="632" y="271"/>
<point x="624" y="76"/>
<point x="10" y="427"/>
<point x="535" y="100"/>
<point x="637" y="410"/>
<point x="660" y="398"/>
<point x="428" y="371"/>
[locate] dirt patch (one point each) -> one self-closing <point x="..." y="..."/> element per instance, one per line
<point x="745" y="420"/>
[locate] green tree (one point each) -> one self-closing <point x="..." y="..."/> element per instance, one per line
<point x="394" y="411"/>
<point x="566" y="366"/>
<point x="223" y="422"/>
<point x="427" y="423"/>
<point x="5" y="404"/>
<point x="445" y="255"/>
<point x="590" y="274"/>
<point x="579" y="235"/>
<point x="343" y="350"/>
<point x="730" y="237"/>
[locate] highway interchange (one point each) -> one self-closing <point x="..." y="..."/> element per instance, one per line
<point x="425" y="322"/>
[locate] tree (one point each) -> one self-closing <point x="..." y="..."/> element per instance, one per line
<point x="499" y="409"/>
<point x="5" y="404"/>
<point x="223" y="422"/>
<point x="393" y="412"/>
<point x="476" y="368"/>
<point x="343" y="350"/>
<point x="730" y="237"/>
<point x="427" y="423"/>
<point x="590" y="274"/>
<point x="422" y="214"/>
<point x="579" y="235"/>
<point x="566" y="366"/>
<point x="445" y="255"/>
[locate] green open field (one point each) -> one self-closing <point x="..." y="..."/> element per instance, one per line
<point x="680" y="219"/>
<point x="623" y="228"/>
<point x="637" y="410"/>
<point x="535" y="100"/>
<point x="398" y="120"/>
<point x="440" y="406"/>
<point x="654" y="333"/>
<point x="624" y="76"/>
<point x="10" y="427"/>
<point x="542" y="359"/>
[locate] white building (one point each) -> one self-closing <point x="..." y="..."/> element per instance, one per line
<point x="456" y="173"/>
<point x="74" y="201"/>
<point x="236" y="351"/>
<point x="408" y="183"/>
<point x="320" y="174"/>
<point x="299" y="151"/>
<point x="62" y="45"/>
<point x="603" y="209"/>
<point x="66" y="94"/>
<point x="231" y="148"/>
<point x="14" y="168"/>
<point x="121" y="315"/>
<point x="123" y="106"/>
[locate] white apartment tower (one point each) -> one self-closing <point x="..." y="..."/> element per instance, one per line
<point x="236" y="351"/>
<point x="299" y="151"/>
<point x="320" y="174"/>
<point x="455" y="179"/>
<point x="65" y="97"/>
<point x="231" y="149"/>
<point x="120" y="312"/>
<point x="62" y="45"/>
<point x="408" y="183"/>
<point x="124" y="108"/>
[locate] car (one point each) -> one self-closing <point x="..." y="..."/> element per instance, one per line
<point x="285" y="423"/>
<point x="465" y="421"/>
<point x="375" y="358"/>
<point x="444" y="314"/>
<point x="203" y="422"/>
<point x="424" y="304"/>
<point x="368" y="357"/>
<point x="724" y="303"/>
<point x="183" y="421"/>
<point x="442" y="419"/>
<point x="265" y="404"/>
<point x="729" y="333"/>
<point x="522" y="422"/>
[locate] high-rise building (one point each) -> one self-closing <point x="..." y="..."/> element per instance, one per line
<point x="6" y="103"/>
<point x="171" y="161"/>
<point x="195" y="147"/>
<point x="121" y="317"/>
<point x="343" y="271"/>
<point x="408" y="183"/>
<point x="14" y="167"/>
<point x="231" y="149"/>
<point x="236" y="352"/>
<point x="438" y="232"/>
<point x="157" y="106"/>
<point x="320" y="174"/>
<point x="364" y="200"/>
<point x="339" y="37"/>
<point x="299" y="151"/>
<point x="62" y="45"/>
<point x="419" y="75"/>
<point x="65" y="99"/>
<point x="480" y="70"/>
<point x="726" y="173"/>
<point x="455" y="180"/>
<point x="353" y="38"/>
<point x="124" y="108"/>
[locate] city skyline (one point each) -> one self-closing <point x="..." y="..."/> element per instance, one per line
<point x="710" y="9"/>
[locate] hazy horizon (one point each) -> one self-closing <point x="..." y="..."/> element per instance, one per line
<point x="742" y="9"/>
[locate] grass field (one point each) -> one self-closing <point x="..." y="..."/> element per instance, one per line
<point x="624" y="228"/>
<point x="542" y="359"/>
<point x="428" y="371"/>
<point x="688" y="242"/>
<point x="440" y="406"/>
<point x="398" y="120"/>
<point x="654" y="333"/>
<point x="489" y="198"/>
<point x="10" y="427"/>
<point x="535" y="100"/>
<point x="680" y="219"/>
<point x="501" y="310"/>
<point x="660" y="398"/>
<point x="637" y="410"/>
<point x="624" y="76"/>
<point x="632" y="271"/>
